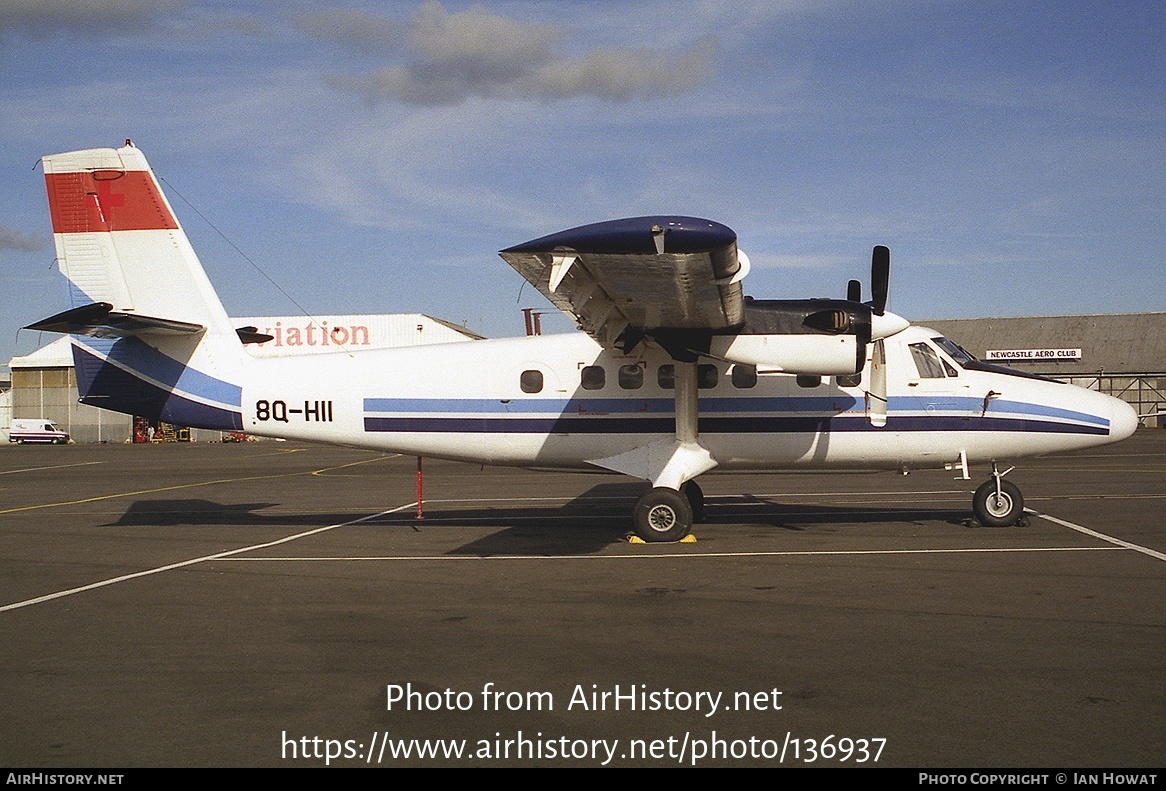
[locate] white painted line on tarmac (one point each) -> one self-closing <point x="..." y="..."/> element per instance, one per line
<point x="675" y="555"/>
<point x="1098" y="497"/>
<point x="825" y="495"/>
<point x="718" y="497"/>
<point x="1119" y="542"/>
<point x="193" y="561"/>
<point x="53" y="467"/>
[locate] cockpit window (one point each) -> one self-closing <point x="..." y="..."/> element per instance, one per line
<point x="927" y="361"/>
<point x="957" y="352"/>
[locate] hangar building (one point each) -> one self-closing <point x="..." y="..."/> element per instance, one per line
<point x="1122" y="355"/>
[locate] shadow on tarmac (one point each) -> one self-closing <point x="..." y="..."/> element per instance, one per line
<point x="588" y="523"/>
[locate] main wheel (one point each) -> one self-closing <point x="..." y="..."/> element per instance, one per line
<point x="662" y="514"/>
<point x="695" y="497"/>
<point x="998" y="510"/>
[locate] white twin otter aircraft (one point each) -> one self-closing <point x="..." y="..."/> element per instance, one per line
<point x="676" y="372"/>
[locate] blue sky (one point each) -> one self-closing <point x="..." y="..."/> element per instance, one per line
<point x="374" y="157"/>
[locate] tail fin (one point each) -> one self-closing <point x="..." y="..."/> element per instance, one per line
<point x="150" y="335"/>
<point x="119" y="242"/>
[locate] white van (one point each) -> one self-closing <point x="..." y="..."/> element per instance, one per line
<point x="35" y="430"/>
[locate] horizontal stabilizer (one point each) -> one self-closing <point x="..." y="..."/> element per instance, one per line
<point x="100" y="320"/>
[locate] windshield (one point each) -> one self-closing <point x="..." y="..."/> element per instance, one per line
<point x="956" y="351"/>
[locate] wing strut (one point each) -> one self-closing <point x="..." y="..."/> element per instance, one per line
<point x="669" y="463"/>
<point x="877" y="393"/>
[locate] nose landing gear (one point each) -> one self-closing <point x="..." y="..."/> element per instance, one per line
<point x="998" y="503"/>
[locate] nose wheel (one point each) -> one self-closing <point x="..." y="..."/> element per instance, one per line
<point x="998" y="503"/>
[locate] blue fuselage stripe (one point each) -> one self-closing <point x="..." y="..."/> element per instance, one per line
<point x="716" y="425"/>
<point x="718" y="415"/>
<point x="603" y="406"/>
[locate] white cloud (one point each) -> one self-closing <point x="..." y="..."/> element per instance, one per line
<point x="44" y="18"/>
<point x="622" y="74"/>
<point x="352" y="28"/>
<point x="762" y="260"/>
<point x="15" y="240"/>
<point x="452" y="56"/>
<point x="479" y="37"/>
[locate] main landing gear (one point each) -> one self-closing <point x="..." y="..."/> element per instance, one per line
<point x="664" y="514"/>
<point x="998" y="503"/>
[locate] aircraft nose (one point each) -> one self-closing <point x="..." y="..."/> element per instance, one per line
<point x="1123" y="419"/>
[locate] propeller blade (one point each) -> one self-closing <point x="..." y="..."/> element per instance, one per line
<point x="880" y="276"/>
<point x="854" y="291"/>
<point x="863" y="331"/>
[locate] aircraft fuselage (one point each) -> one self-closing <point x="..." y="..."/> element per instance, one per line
<point x="466" y="401"/>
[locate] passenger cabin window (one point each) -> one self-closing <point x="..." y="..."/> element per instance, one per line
<point x="927" y="361"/>
<point x="631" y="377"/>
<point x="850" y="381"/>
<point x="666" y="377"/>
<point x="744" y="376"/>
<point x="593" y="377"/>
<point x="531" y="381"/>
<point x="806" y="380"/>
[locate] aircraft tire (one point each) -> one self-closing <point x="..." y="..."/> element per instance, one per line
<point x="662" y="514"/>
<point x="695" y="497"/>
<point x="998" y="513"/>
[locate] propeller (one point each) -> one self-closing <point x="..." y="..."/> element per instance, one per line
<point x="875" y="330"/>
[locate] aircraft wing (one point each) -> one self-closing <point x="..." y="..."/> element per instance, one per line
<point x="639" y="274"/>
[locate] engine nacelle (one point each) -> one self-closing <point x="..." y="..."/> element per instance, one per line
<point x="815" y="355"/>
<point x="815" y="337"/>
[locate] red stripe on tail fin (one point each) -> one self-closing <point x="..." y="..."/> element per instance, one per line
<point x="107" y="200"/>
